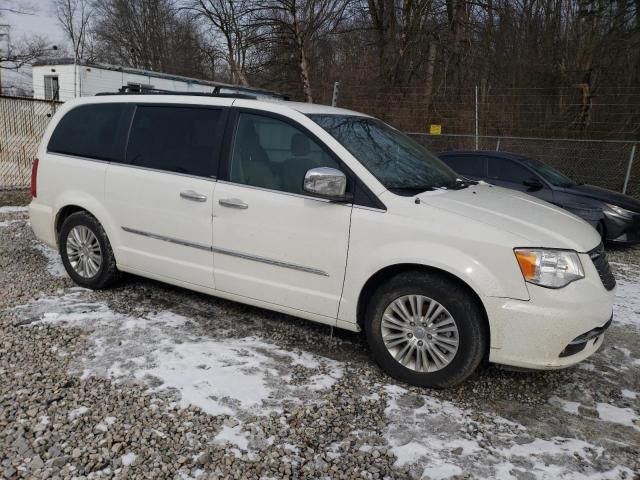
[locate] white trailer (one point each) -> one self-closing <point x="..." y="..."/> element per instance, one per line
<point x="63" y="79"/>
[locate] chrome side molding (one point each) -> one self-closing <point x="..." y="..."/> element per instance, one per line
<point x="231" y="253"/>
<point x="277" y="263"/>
<point x="176" y="241"/>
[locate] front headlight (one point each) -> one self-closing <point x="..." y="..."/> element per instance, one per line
<point x="549" y="268"/>
<point x="617" y="211"/>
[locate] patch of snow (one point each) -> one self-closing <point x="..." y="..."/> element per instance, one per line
<point x="324" y="381"/>
<point x="169" y="352"/>
<point x="105" y="424"/>
<point x="128" y="458"/>
<point x="566" y="405"/>
<point x="55" y="267"/>
<point x="438" y="439"/>
<point x="234" y="436"/>
<point x="44" y="420"/>
<point x="7" y="223"/>
<point x="626" y="309"/>
<point x="78" y="412"/>
<point x="629" y="394"/>
<point x="12" y="209"/>
<point x="613" y="414"/>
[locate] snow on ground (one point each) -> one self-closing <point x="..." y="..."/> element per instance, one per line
<point x="237" y="375"/>
<point x="168" y="352"/>
<point x="55" y="266"/>
<point x="11" y="209"/>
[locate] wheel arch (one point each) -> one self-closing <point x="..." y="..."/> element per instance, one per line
<point x="386" y="273"/>
<point x="63" y="214"/>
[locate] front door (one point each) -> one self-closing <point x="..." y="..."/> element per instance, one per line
<point x="272" y="242"/>
<point x="161" y="198"/>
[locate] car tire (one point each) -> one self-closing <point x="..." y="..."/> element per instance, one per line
<point x="447" y="313"/>
<point x="86" y="252"/>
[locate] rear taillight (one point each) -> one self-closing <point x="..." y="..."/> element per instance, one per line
<point x="34" y="179"/>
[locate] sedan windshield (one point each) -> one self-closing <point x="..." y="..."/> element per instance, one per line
<point x="399" y="163"/>
<point x="550" y="174"/>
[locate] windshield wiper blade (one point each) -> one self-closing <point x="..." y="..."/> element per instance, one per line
<point x="460" y="183"/>
<point x="419" y="188"/>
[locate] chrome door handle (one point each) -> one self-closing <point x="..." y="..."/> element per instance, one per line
<point x="233" y="203"/>
<point x="193" y="196"/>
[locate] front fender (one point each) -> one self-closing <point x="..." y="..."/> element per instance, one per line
<point x="483" y="262"/>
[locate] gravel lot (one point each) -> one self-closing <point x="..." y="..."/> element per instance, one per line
<point x="147" y="380"/>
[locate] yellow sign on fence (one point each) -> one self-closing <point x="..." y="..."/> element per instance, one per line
<point x="435" y="129"/>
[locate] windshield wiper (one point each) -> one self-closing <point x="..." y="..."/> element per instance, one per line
<point x="460" y="183"/>
<point x="412" y="190"/>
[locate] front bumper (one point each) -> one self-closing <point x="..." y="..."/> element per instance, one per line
<point x="539" y="333"/>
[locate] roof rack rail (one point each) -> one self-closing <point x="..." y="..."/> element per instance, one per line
<point x="235" y="92"/>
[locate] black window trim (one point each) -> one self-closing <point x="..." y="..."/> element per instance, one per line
<point x="130" y="109"/>
<point x="218" y="146"/>
<point x="226" y="155"/>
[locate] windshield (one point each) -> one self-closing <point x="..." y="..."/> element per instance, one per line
<point x="399" y="163"/>
<point x="550" y="174"/>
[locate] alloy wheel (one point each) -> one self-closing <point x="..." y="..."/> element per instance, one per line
<point x="83" y="251"/>
<point x="420" y="333"/>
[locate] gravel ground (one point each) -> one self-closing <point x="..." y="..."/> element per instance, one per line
<point x="147" y="380"/>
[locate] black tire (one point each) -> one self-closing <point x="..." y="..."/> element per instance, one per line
<point x="107" y="273"/>
<point x="459" y="303"/>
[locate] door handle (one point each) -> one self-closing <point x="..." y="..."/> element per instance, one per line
<point x="193" y="196"/>
<point x="233" y="203"/>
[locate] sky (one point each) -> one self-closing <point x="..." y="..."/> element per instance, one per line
<point x="42" y="22"/>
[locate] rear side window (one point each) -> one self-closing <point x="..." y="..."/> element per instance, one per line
<point x="507" y="170"/>
<point x="467" y="165"/>
<point x="176" y="139"/>
<point x="96" y="131"/>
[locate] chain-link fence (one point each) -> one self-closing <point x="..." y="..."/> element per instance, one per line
<point x="609" y="164"/>
<point x="603" y="163"/>
<point x="22" y="123"/>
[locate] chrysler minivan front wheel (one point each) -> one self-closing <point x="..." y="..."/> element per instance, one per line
<point x="86" y="252"/>
<point x="426" y="330"/>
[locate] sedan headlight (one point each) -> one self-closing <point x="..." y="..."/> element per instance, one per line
<point x="617" y="211"/>
<point x="549" y="268"/>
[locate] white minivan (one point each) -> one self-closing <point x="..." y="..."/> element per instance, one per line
<point x="324" y="214"/>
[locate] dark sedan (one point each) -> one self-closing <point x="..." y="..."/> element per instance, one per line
<point x="614" y="215"/>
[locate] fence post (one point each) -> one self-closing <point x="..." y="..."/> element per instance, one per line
<point x="476" y="117"/>
<point x="626" y="178"/>
<point x="334" y="99"/>
<point x="498" y="145"/>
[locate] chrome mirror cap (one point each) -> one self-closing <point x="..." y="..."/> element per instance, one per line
<point x="326" y="182"/>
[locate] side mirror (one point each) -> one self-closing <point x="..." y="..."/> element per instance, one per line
<point x="533" y="184"/>
<point x="328" y="183"/>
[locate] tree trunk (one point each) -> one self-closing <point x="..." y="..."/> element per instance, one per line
<point x="302" y="63"/>
<point x="431" y="63"/>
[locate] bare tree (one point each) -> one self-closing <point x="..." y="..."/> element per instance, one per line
<point x="149" y="34"/>
<point x="75" y="17"/>
<point x="297" y="24"/>
<point x="232" y="20"/>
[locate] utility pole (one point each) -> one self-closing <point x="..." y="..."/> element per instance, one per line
<point x="5" y="46"/>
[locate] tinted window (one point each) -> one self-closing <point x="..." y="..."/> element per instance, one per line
<point x="273" y="154"/>
<point x="507" y="171"/>
<point x="94" y="131"/>
<point x="467" y="165"/>
<point x="550" y="174"/>
<point x="175" y="139"/>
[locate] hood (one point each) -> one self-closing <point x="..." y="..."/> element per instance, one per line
<point x="604" y="195"/>
<point x="537" y="223"/>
